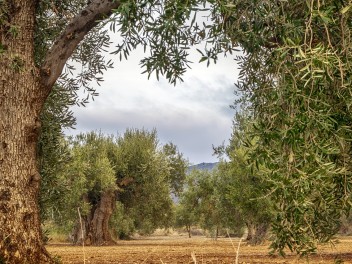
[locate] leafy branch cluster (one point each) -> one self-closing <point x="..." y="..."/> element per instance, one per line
<point x="167" y="30"/>
<point x="295" y="72"/>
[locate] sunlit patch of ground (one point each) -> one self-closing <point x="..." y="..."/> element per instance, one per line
<point x="179" y="249"/>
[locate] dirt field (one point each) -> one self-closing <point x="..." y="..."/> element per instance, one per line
<point x="177" y="249"/>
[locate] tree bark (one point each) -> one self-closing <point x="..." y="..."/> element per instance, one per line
<point x="256" y="233"/>
<point x="96" y="224"/>
<point x="250" y="232"/>
<point x="21" y="101"/>
<point x="188" y="228"/>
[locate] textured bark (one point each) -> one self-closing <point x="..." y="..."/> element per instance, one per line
<point x="23" y="90"/>
<point x="21" y="100"/>
<point x="96" y="224"/>
<point x="188" y="228"/>
<point x="257" y="233"/>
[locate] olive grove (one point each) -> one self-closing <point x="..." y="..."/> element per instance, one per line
<point x="295" y="75"/>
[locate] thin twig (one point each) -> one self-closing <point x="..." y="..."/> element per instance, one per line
<point x="238" y="250"/>
<point x="193" y="255"/>
<point x="227" y="231"/>
<point x="80" y="220"/>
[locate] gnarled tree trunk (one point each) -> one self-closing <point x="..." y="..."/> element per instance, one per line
<point x="95" y="226"/>
<point x="21" y="101"/>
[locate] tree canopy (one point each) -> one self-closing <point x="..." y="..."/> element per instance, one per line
<point x="124" y="180"/>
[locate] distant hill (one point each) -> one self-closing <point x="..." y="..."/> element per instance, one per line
<point x="203" y="166"/>
<point x="200" y="166"/>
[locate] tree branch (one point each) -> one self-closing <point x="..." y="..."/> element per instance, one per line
<point x="74" y="33"/>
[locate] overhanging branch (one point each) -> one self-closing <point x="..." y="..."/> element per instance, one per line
<point x="74" y="33"/>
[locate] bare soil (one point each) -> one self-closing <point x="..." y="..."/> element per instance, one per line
<point x="201" y="250"/>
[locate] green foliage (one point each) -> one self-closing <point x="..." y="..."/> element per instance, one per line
<point x="90" y="173"/>
<point x="143" y="173"/>
<point x="208" y="210"/>
<point x="186" y="213"/>
<point x="185" y="216"/>
<point x="167" y="29"/>
<point x="243" y="189"/>
<point x="159" y="26"/>
<point x="17" y="63"/>
<point x="2" y="49"/>
<point x="200" y="194"/>
<point x="232" y="196"/>
<point x="77" y="179"/>
<point x="53" y="152"/>
<point x="133" y="167"/>
<point x="199" y="202"/>
<point x="87" y="64"/>
<point x="53" y="16"/>
<point x="121" y="224"/>
<point x="295" y="72"/>
<point x="178" y="167"/>
<point x="140" y="23"/>
<point x="57" y="260"/>
<point x="13" y="30"/>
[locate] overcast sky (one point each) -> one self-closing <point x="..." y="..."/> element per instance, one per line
<point x="194" y="114"/>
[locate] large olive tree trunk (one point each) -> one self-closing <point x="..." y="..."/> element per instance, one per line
<point x="21" y="100"/>
<point x="23" y="90"/>
<point x="93" y="229"/>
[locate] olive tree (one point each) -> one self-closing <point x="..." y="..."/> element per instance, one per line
<point x="119" y="184"/>
<point x="243" y="188"/>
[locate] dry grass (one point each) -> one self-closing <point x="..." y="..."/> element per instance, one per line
<point x="200" y="250"/>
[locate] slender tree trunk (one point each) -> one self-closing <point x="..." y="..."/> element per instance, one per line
<point x="96" y="223"/>
<point x="250" y="232"/>
<point x="261" y="232"/>
<point x="188" y="228"/>
<point x="21" y="101"/>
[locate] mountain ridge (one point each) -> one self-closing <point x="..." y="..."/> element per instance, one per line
<point x="203" y="166"/>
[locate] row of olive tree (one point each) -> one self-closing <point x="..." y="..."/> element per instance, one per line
<point x="232" y="196"/>
<point x="117" y="185"/>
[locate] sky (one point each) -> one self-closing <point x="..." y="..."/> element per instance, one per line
<point x="194" y="115"/>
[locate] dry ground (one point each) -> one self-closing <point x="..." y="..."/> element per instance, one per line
<point x="179" y="249"/>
